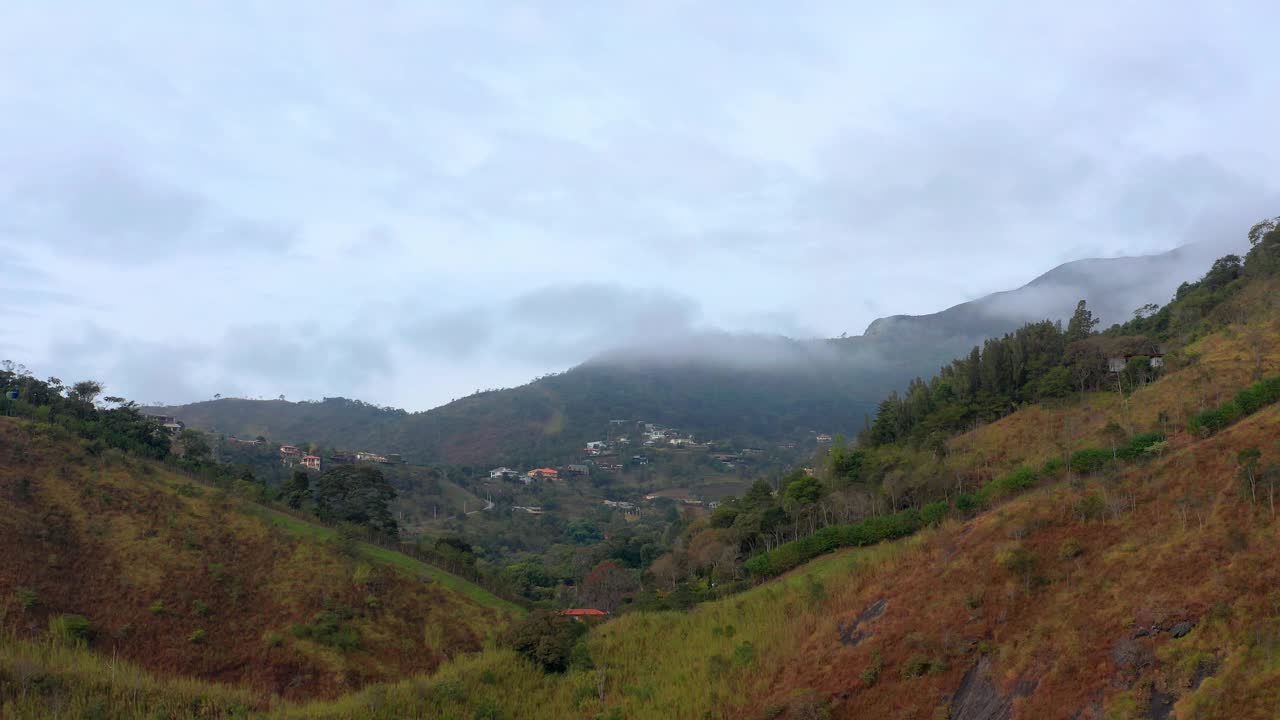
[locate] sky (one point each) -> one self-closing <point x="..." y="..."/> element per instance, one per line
<point x="407" y="201"/>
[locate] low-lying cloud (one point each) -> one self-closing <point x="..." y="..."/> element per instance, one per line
<point x="409" y="204"/>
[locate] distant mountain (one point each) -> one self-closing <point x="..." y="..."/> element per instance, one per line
<point x="1113" y="287"/>
<point x="736" y="388"/>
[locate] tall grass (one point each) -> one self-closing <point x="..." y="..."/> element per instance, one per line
<point x="386" y="556"/>
<point x="40" y="680"/>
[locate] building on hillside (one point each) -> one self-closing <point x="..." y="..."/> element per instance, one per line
<point x="1116" y="364"/>
<point x="503" y="473"/>
<point x="290" y="451"/>
<point x="824" y="438"/>
<point x="681" y="442"/>
<point x="169" y="422"/>
<point x="620" y="504"/>
<point x="639" y="460"/>
<point x="581" y="614"/>
<point x="530" y="509"/>
<point x="576" y="469"/>
<point x="312" y="462"/>
<point x="598" y="446"/>
<point x="395" y="458"/>
<point x="543" y="474"/>
<point x="362" y="456"/>
<point x="342" y="457"/>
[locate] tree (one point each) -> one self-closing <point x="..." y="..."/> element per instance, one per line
<point x="1081" y="324"/>
<point x="805" y="491"/>
<point x="357" y="494"/>
<point x="607" y="585"/>
<point x="297" y="488"/>
<point x="1247" y="460"/>
<point x="86" y="391"/>
<point x="546" y="639"/>
<point x="1055" y="384"/>
<point x="1146" y="311"/>
<point x="1261" y="230"/>
<point x="194" y="446"/>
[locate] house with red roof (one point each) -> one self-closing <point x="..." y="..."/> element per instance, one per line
<point x="583" y="613"/>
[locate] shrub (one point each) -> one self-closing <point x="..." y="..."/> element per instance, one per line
<point x="1247" y="401"/>
<point x="868" y="532"/>
<point x="1052" y="467"/>
<point x="1090" y="460"/>
<point x="26" y="597"/>
<point x="199" y="609"/>
<point x="1139" y="445"/>
<point x="1090" y="507"/>
<point x="1018" y="480"/>
<point x="545" y="639"/>
<point x="197" y="637"/>
<point x="1211" y="421"/>
<point x="967" y="503"/>
<point x="933" y="513"/>
<point x="329" y="627"/>
<point x="871" y="673"/>
<point x="917" y="666"/>
<point x="71" y="629"/>
<point x="1070" y="549"/>
<point x="157" y="608"/>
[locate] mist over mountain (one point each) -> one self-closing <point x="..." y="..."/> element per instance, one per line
<point x="735" y="388"/>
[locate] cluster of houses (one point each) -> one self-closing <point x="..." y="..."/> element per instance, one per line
<point x="291" y="456"/>
<point x="1118" y="363"/>
<point x="544" y="473"/>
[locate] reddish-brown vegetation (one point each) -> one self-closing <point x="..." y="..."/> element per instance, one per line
<point x="186" y="580"/>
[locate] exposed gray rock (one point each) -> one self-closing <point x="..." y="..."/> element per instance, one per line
<point x="978" y="698"/>
<point x="854" y="632"/>
<point x="1161" y="705"/>
<point x="1181" y="629"/>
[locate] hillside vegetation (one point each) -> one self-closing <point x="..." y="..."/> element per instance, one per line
<point x="1098" y="553"/>
<point x="140" y="562"/>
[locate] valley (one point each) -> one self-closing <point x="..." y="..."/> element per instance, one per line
<point x="1070" y="521"/>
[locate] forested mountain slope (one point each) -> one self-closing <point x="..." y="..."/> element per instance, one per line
<point x="743" y="389"/>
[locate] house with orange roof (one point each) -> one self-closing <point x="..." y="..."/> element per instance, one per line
<point x="581" y="614"/>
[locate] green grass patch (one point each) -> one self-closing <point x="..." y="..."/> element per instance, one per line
<point x="413" y="566"/>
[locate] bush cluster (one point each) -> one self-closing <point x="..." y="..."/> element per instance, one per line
<point x="1247" y="401"/>
<point x="868" y="532"/>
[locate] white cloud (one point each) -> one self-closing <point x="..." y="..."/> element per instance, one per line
<point x="358" y="186"/>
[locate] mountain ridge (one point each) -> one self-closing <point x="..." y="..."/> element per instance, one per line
<point x="734" y="388"/>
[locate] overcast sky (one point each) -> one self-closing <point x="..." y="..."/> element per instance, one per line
<point x="404" y="202"/>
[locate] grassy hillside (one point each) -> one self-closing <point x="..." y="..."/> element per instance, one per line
<point x="1063" y="601"/>
<point x="189" y="580"/>
<point x="1141" y="586"/>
